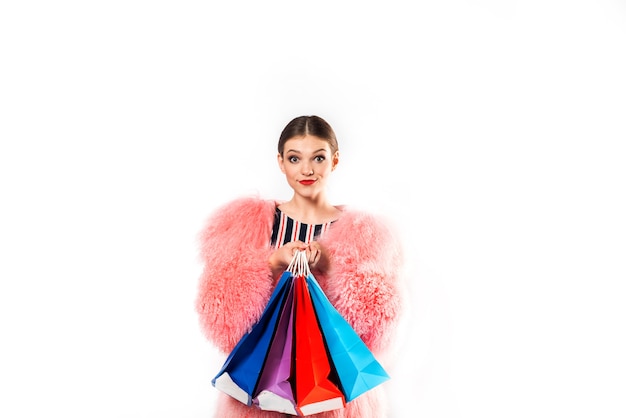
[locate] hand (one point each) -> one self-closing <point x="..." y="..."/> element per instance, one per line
<point x="314" y="254"/>
<point x="281" y="258"/>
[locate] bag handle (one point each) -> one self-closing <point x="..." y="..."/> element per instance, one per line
<point x="299" y="265"/>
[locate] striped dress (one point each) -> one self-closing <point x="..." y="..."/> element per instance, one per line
<point x="287" y="229"/>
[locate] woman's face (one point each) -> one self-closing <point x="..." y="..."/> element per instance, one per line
<point x="307" y="163"/>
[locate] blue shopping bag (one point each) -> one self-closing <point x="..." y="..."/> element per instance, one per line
<point x="242" y="369"/>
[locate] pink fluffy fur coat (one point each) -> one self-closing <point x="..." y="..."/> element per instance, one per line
<point x="235" y="285"/>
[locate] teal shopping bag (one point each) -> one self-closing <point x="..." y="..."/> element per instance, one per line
<point x="354" y="363"/>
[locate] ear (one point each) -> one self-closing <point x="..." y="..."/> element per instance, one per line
<point x="335" y="160"/>
<point x="281" y="162"/>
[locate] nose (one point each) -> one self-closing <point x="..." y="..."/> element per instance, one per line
<point x="307" y="169"/>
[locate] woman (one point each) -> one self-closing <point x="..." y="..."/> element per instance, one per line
<point x="248" y="243"/>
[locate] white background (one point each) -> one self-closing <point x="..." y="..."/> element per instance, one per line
<point x="491" y="131"/>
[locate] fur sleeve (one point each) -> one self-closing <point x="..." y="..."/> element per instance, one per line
<point x="363" y="282"/>
<point x="236" y="280"/>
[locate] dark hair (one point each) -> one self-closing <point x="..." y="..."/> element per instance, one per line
<point x="308" y="125"/>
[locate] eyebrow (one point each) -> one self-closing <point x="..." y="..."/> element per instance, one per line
<point x="298" y="152"/>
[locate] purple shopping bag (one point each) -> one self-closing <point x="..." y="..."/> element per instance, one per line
<point x="242" y="369"/>
<point x="274" y="390"/>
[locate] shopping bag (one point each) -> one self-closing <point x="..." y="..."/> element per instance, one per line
<point x="357" y="368"/>
<point x="316" y="386"/>
<point x="274" y="390"/>
<point x="307" y="387"/>
<point x="301" y="357"/>
<point x="241" y="370"/>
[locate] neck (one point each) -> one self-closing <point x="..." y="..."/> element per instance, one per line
<point x="317" y="210"/>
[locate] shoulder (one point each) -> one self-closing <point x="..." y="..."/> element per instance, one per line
<point x="248" y="207"/>
<point x="365" y="234"/>
<point x="241" y="221"/>
<point x="353" y="217"/>
<point x="365" y="224"/>
<point x="251" y="205"/>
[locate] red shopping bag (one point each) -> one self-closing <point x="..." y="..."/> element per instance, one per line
<point x="316" y="387"/>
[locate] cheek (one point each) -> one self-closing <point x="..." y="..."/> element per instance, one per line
<point x="327" y="168"/>
<point x="289" y="170"/>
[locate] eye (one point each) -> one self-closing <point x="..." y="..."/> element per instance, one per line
<point x="293" y="159"/>
<point x="319" y="158"/>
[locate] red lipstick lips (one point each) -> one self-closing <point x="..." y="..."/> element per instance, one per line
<point x="307" y="182"/>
